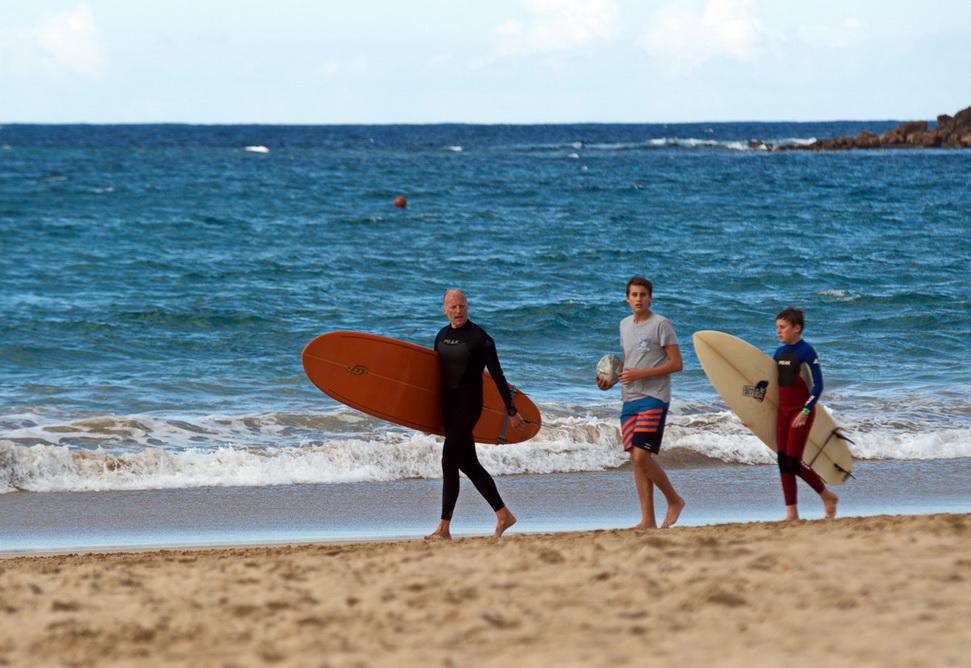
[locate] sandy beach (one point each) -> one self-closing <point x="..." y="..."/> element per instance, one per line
<point x="870" y="591"/>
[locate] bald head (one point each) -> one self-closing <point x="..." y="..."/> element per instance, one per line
<point x="456" y="308"/>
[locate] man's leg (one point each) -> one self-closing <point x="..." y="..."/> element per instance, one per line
<point x="451" y="484"/>
<point x="459" y="420"/>
<point x="486" y="486"/>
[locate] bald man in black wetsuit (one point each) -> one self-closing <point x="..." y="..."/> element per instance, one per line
<point x="465" y="350"/>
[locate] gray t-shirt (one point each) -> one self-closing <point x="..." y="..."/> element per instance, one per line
<point x="643" y="347"/>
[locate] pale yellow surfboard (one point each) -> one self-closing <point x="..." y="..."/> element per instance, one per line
<point x="746" y="379"/>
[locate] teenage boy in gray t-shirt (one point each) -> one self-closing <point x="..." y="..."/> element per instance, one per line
<point x="651" y="355"/>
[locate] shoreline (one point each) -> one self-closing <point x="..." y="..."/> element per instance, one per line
<point x="217" y="547"/>
<point x="60" y="522"/>
<point x="856" y="591"/>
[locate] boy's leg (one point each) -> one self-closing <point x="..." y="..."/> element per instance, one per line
<point x="796" y="447"/>
<point x="656" y="476"/>
<point x="645" y="489"/>
<point x="787" y="474"/>
<point x="642" y="428"/>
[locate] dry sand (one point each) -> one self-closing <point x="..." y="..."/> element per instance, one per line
<point x="874" y="591"/>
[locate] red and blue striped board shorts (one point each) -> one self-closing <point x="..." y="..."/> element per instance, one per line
<point x="642" y="423"/>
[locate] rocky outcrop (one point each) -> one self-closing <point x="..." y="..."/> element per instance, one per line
<point x="949" y="132"/>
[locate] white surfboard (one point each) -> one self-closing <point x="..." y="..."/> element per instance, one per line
<point x="746" y="379"/>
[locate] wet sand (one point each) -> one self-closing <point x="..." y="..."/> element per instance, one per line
<point x="285" y="514"/>
<point x="857" y="591"/>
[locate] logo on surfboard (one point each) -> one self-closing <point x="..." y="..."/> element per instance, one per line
<point x="756" y="391"/>
<point x="357" y="369"/>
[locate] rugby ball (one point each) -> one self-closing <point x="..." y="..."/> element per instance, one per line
<point x="608" y="368"/>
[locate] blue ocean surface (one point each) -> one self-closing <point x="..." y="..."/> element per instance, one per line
<point x="160" y="281"/>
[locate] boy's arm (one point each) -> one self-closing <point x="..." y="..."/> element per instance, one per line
<point x="673" y="365"/>
<point x="817" y="389"/>
<point x="802" y="416"/>
<point x="603" y="384"/>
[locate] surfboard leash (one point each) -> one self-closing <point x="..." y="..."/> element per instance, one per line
<point x="505" y="421"/>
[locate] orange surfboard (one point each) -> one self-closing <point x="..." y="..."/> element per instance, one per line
<point x="401" y="382"/>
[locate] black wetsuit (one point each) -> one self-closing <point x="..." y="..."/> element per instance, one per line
<point x="464" y="353"/>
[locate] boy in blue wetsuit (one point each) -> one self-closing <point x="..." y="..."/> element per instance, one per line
<point x="800" y="384"/>
<point x="651" y="355"/>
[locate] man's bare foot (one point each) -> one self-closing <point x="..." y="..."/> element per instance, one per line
<point x="792" y="513"/>
<point x="829" y="503"/>
<point x="674" y="512"/>
<point x="646" y="525"/>
<point x="504" y="520"/>
<point x="441" y="532"/>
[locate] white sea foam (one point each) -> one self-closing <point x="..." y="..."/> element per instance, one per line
<point x="754" y="145"/>
<point x="679" y="142"/>
<point x="42" y="453"/>
<point x="61" y="463"/>
<point x="838" y="295"/>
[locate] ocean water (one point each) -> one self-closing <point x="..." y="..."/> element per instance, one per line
<point x="160" y="281"/>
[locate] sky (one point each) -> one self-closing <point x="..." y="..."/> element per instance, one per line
<point x="481" y="61"/>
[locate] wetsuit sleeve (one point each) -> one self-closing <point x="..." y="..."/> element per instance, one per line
<point x="812" y="361"/>
<point x="495" y="370"/>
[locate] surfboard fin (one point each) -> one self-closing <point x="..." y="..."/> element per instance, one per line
<point x="846" y="474"/>
<point x="840" y="434"/>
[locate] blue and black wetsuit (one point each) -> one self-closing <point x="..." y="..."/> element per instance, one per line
<point x="464" y="353"/>
<point x="800" y="385"/>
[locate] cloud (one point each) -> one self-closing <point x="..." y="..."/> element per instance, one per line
<point x="687" y="34"/>
<point x="63" y="43"/>
<point x="557" y="26"/>
<point x="850" y="33"/>
<point x="359" y="65"/>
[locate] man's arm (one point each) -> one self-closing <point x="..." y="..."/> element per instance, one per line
<point x="495" y="370"/>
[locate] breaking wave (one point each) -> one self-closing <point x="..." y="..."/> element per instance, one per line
<point x="49" y="452"/>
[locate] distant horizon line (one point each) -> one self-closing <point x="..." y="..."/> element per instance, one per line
<point x="452" y="123"/>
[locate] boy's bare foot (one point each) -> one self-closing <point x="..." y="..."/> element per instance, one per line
<point x="646" y="525"/>
<point x="674" y="512"/>
<point x="829" y="503"/>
